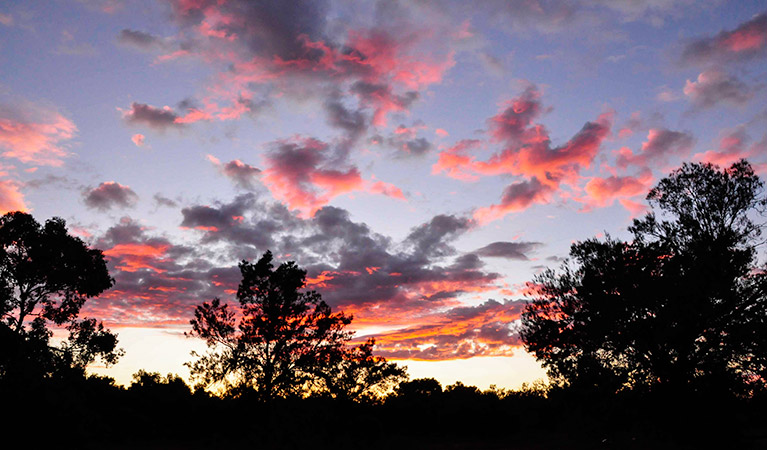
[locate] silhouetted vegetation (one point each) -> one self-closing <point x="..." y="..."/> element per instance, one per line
<point x="659" y="342"/>
<point x="287" y="342"/>
<point x="682" y="307"/>
<point x="46" y="276"/>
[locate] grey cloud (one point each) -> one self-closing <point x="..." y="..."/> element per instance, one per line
<point x="108" y="195"/>
<point x="508" y="250"/>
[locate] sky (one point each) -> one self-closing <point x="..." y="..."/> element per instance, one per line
<point x="423" y="160"/>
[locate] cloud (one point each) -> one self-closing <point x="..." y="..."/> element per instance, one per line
<point x="6" y="19"/>
<point x="242" y="175"/>
<point x="405" y="142"/>
<point x="381" y="98"/>
<point x="461" y="332"/>
<point x="11" y="198"/>
<point x="516" y="197"/>
<point x="632" y="125"/>
<point x="406" y="284"/>
<point x="305" y="174"/>
<point x="161" y="200"/>
<point x="603" y="192"/>
<point x="508" y="250"/>
<point x="714" y="87"/>
<point x="734" y="144"/>
<point x="527" y="153"/>
<point x="456" y="161"/>
<point x="108" y="195"/>
<point x="156" y="281"/>
<point x="747" y="41"/>
<point x="138" y="139"/>
<point x="660" y="145"/>
<point x="259" y="51"/>
<point x="157" y="118"/>
<point x="353" y="122"/>
<point x="431" y="238"/>
<point x="515" y="122"/>
<point x="142" y="40"/>
<point x="35" y="134"/>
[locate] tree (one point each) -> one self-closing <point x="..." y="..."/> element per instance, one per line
<point x="681" y="306"/>
<point x="155" y="385"/>
<point x="419" y="389"/>
<point x="46" y="276"/>
<point x="354" y="373"/>
<point x="280" y="340"/>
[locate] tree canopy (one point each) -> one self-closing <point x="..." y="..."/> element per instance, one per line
<point x="682" y="305"/>
<point x="283" y="341"/>
<point x="46" y="276"/>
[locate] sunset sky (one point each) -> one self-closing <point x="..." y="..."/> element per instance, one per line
<point x="422" y="159"/>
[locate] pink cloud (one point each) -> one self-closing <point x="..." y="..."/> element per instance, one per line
<point x="527" y="153"/>
<point x="138" y="139"/>
<point x="258" y="47"/>
<point x="304" y="174"/>
<point x="748" y="40"/>
<point x="714" y="86"/>
<point x="517" y="197"/>
<point x="34" y="134"/>
<point x="11" y="199"/>
<point x="456" y="162"/>
<point x="636" y="209"/>
<point x="733" y="146"/>
<point x="660" y="146"/>
<point x="603" y="192"/>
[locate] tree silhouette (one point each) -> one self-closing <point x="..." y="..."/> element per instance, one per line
<point x="356" y="374"/>
<point x="419" y="389"/>
<point x="281" y="339"/>
<point x="46" y="276"/>
<point x="682" y="306"/>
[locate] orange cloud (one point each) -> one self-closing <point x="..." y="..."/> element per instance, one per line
<point x="462" y="332"/>
<point x="136" y="256"/>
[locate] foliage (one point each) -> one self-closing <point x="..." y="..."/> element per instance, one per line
<point x="681" y="306"/>
<point x="419" y="388"/>
<point x="154" y="383"/>
<point x="46" y="276"/>
<point x="285" y="343"/>
<point x="356" y="374"/>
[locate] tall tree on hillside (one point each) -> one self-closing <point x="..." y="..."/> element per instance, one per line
<point x="680" y="306"/>
<point x="46" y="276"/>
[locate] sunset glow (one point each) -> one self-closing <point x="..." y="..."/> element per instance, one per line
<point x="422" y="160"/>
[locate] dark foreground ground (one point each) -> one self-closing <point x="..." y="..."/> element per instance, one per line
<point x="97" y="415"/>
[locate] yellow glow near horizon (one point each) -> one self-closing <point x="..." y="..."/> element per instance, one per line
<point x="165" y="350"/>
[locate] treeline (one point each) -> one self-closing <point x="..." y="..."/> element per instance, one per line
<point x="655" y="342"/>
<point x="162" y="412"/>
